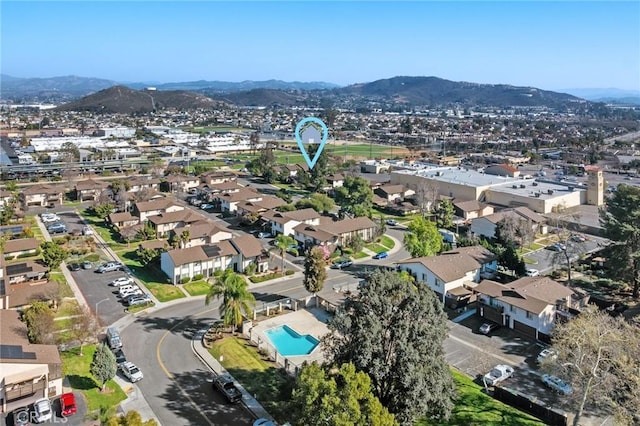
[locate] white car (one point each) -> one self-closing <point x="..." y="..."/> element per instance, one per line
<point x="121" y="281"/>
<point x="86" y="230"/>
<point x="131" y="372"/>
<point x="49" y="217"/>
<point x="546" y="353"/>
<point x="532" y="272"/>
<point x="557" y="384"/>
<point x="498" y="374"/>
<point x="129" y="291"/>
<point x="43" y="412"/>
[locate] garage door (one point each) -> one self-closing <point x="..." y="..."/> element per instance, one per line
<point x="524" y="329"/>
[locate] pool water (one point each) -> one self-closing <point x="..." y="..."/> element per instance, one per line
<point x="290" y="343"/>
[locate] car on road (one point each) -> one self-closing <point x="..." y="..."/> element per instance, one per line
<point x="225" y="384"/>
<point x="87" y="265"/>
<point x="68" y="404"/>
<point x="391" y="222"/>
<point x="488" y="327"/>
<point x="121" y="281"/>
<point x="557" y="384"/>
<point x="264" y="234"/>
<point x="110" y="267"/>
<point x="498" y="374"/>
<point x="546" y="353"/>
<point x="341" y="263"/>
<point x="131" y="372"/>
<point x="532" y="272"/>
<point x="74" y="266"/>
<point x="381" y="255"/>
<point x="20" y="417"/>
<point x="49" y="217"/>
<point x="43" y="412"/>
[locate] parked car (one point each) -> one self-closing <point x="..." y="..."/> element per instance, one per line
<point x="557" y="384"/>
<point x="74" y="266"/>
<point x="120" y="357"/>
<point x="206" y="206"/>
<point x="228" y="388"/>
<point x="138" y="300"/>
<point x="86" y="230"/>
<point x="110" y="267"/>
<point x="127" y="290"/>
<point x="49" y="217"/>
<point x="578" y="238"/>
<point x="57" y="228"/>
<point x="87" y="265"/>
<point x="68" y="404"/>
<point x="555" y="247"/>
<point x="391" y="222"/>
<point x="498" y="374"/>
<point x="131" y="372"/>
<point x="532" y="272"/>
<point x="488" y="327"/>
<point x="43" y="412"/>
<point x="20" y="417"/>
<point x="546" y="353"/>
<point x="121" y="281"/>
<point x="381" y="255"/>
<point x="264" y="234"/>
<point x="341" y="263"/>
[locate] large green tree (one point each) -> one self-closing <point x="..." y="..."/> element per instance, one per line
<point x="52" y="254"/>
<point x="104" y="366"/>
<point x="318" y="174"/>
<point x="394" y="331"/>
<point x="265" y="163"/>
<point x="319" y="202"/>
<point x="600" y="357"/>
<point x="40" y="322"/>
<point x="444" y="213"/>
<point x="355" y="196"/>
<point x="422" y="238"/>
<point x="620" y="219"/>
<point x="341" y="397"/>
<point x="315" y="272"/>
<point x="236" y="301"/>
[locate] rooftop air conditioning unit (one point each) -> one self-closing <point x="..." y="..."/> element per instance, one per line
<point x="523" y="186"/>
<point x="535" y="184"/>
<point x="537" y="195"/>
<point x="514" y="186"/>
<point x="550" y="191"/>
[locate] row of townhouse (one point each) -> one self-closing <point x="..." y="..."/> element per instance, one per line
<point x="529" y="305"/>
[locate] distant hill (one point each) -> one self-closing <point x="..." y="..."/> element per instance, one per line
<point x="121" y="99"/>
<point x="437" y="91"/>
<point x="261" y="97"/>
<point x="67" y="87"/>
<point x="228" y="86"/>
<point x="603" y="94"/>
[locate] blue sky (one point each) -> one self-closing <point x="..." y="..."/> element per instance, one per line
<point x="551" y="45"/>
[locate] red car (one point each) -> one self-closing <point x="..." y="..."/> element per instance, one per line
<point x="68" y="404"/>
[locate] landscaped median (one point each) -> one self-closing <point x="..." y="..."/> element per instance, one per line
<point x="76" y="370"/>
<point x="262" y="378"/>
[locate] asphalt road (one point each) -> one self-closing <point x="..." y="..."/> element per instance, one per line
<point x="548" y="260"/>
<point x="176" y="384"/>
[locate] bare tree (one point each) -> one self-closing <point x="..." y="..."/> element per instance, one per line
<point x="426" y="196"/>
<point x="85" y="326"/>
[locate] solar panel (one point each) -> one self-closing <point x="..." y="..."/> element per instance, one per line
<point x="211" y="251"/>
<point x="15" y="352"/>
<point x="19" y="268"/>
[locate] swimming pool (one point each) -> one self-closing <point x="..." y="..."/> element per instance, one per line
<point x="290" y="343"/>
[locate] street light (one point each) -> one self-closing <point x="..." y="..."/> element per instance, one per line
<point x="98" y="303"/>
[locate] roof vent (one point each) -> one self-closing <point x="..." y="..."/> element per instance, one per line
<point x="534" y="184"/>
<point x="523" y="186"/>
<point x="550" y="191"/>
<point x="514" y="186"/>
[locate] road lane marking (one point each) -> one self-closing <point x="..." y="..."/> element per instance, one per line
<point x="168" y="373"/>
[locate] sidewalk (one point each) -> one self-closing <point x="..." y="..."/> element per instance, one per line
<point x="247" y="399"/>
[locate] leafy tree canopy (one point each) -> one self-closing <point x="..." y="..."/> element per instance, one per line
<point x="103" y="367"/>
<point x="355" y="197"/>
<point x="315" y="272"/>
<point x="236" y="301"/>
<point x="394" y="332"/>
<point x="319" y="202"/>
<point x="53" y="254"/>
<point x="444" y="213"/>
<point x="422" y="238"/>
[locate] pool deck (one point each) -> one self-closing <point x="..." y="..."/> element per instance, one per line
<point x="306" y="321"/>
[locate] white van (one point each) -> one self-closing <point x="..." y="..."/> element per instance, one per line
<point x="113" y="338"/>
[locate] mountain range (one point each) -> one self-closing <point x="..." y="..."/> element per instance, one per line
<point x="396" y="92"/>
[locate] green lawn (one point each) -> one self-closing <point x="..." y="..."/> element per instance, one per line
<point x="197" y="288"/>
<point x="360" y="255"/>
<point x="109" y="235"/>
<point x="66" y="308"/>
<point x="474" y="407"/>
<point x="386" y="241"/>
<point x="76" y="368"/>
<point x="270" y="384"/>
<point x="65" y="290"/>
<point x="152" y="278"/>
<point x="376" y="248"/>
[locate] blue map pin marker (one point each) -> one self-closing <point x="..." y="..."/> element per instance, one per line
<point x="311" y="134"/>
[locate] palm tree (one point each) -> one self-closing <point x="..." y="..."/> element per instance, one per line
<point x="236" y="298"/>
<point x="282" y="243"/>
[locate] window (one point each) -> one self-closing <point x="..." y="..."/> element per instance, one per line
<point x="529" y="315"/>
<point x="438" y="283"/>
<point x="424" y="277"/>
<point x="512" y="308"/>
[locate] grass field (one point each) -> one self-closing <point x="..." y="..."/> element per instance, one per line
<point x="387" y="242"/>
<point x="376" y="248"/>
<point x="76" y="368"/>
<point x="474" y="407"/>
<point x="151" y="277"/>
<point x="197" y="288"/>
<point x="263" y="379"/>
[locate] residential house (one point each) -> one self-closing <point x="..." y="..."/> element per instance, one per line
<point x="182" y="183"/>
<point x="212" y="178"/>
<point x="502" y="170"/>
<point x="5" y="197"/>
<point x="24" y="271"/>
<point x="268" y="202"/>
<point x="250" y="250"/>
<point x="165" y="222"/>
<point x="453" y="273"/>
<point x="284" y="222"/>
<point x="530" y="305"/>
<point x="201" y="233"/>
<point x="42" y="195"/>
<point x="28" y="371"/>
<point x="486" y="225"/>
<point x="19" y="247"/>
<point x="144" y="209"/>
<point x="143" y="184"/>
<point x="228" y="201"/>
<point x="393" y="194"/>
<point x="335" y="180"/>
<point x="334" y="233"/>
<point x="89" y="189"/>
<point x="186" y="263"/>
<point x="308" y="236"/>
<point x="472" y="209"/>
<point x="122" y="220"/>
